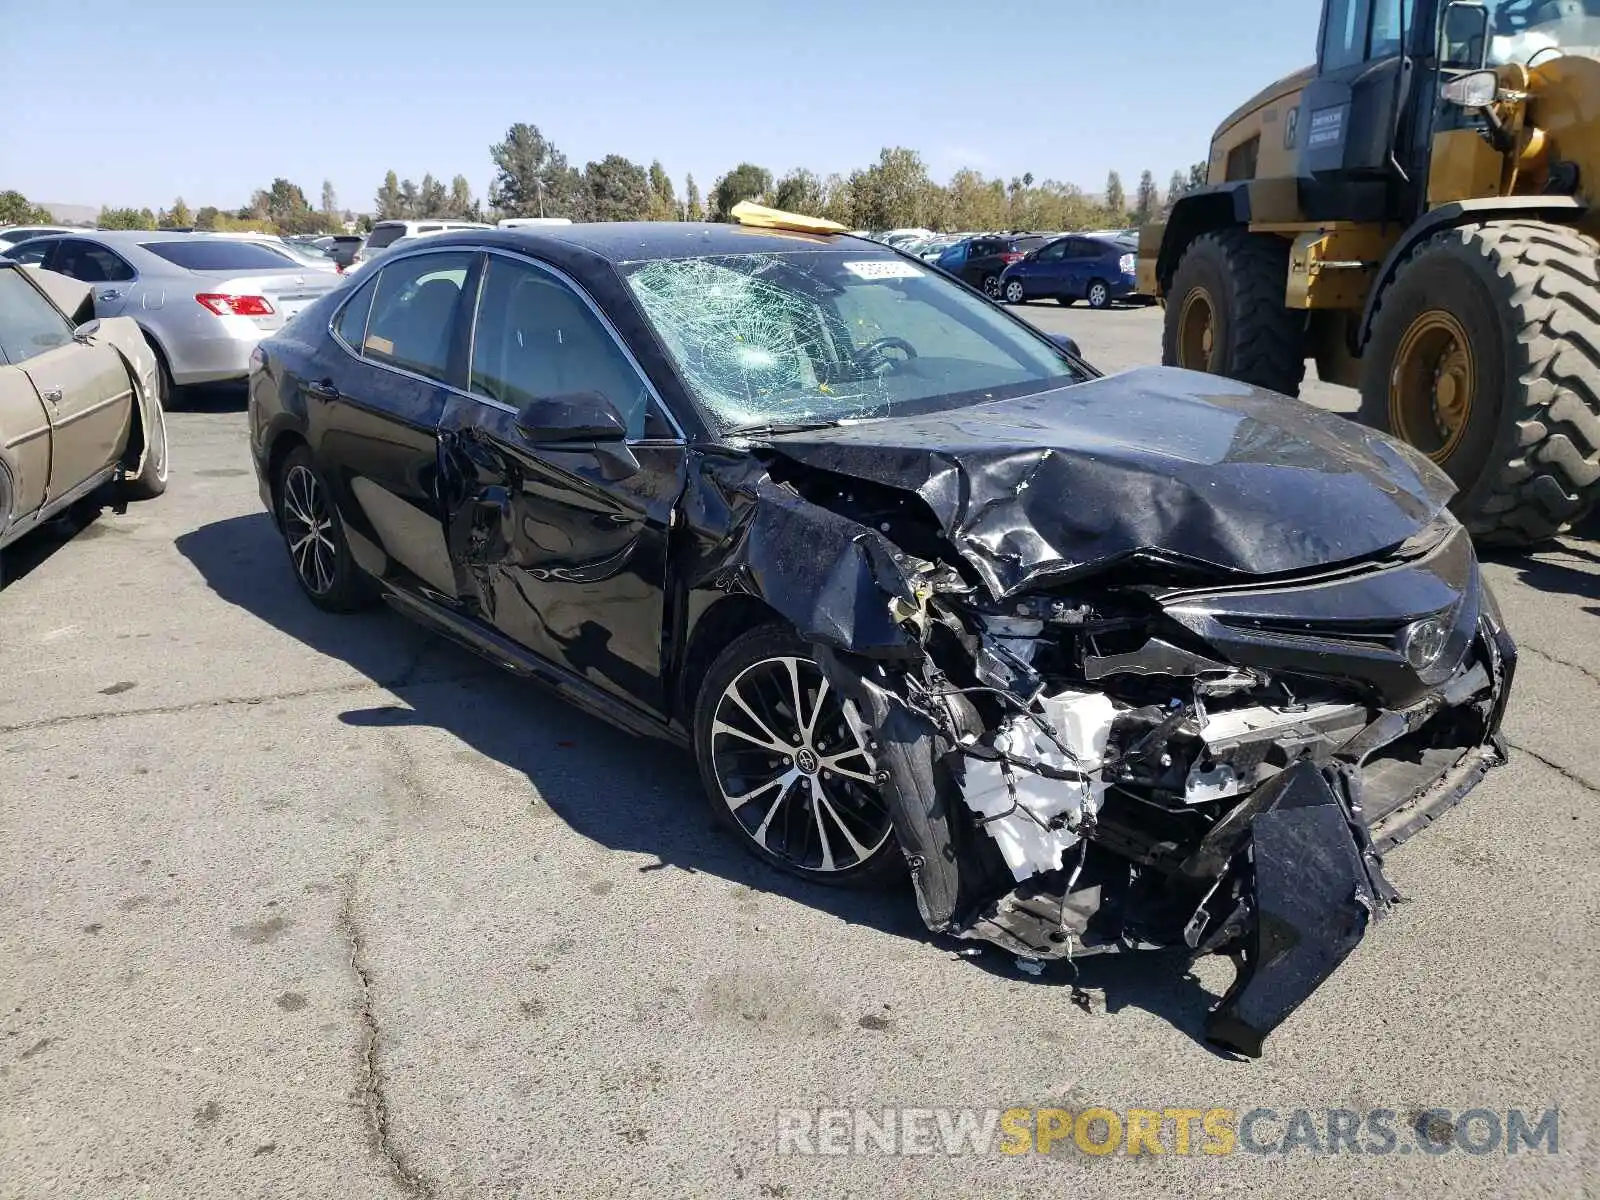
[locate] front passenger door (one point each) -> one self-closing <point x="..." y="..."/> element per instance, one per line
<point x="563" y="549"/>
<point x="86" y="389"/>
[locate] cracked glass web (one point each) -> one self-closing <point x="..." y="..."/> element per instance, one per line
<point x="808" y="336"/>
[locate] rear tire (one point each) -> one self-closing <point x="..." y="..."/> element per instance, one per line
<point x="1239" y="279"/>
<point x="779" y="821"/>
<point x="1526" y="296"/>
<point x="991" y="286"/>
<point x="313" y="534"/>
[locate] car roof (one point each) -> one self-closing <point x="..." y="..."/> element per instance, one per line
<point x="632" y="241"/>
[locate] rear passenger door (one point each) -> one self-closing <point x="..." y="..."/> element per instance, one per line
<point x="563" y="548"/>
<point x="374" y="412"/>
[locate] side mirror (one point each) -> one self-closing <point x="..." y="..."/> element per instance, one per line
<point x="86" y="332"/>
<point x="1463" y="36"/>
<point x="576" y="417"/>
<point x="1067" y="344"/>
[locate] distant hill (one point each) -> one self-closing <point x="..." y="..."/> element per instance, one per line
<point x="72" y="214"/>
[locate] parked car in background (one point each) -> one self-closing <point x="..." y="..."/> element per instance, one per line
<point x="899" y="237"/>
<point x="78" y="404"/>
<point x="203" y="301"/>
<point x="385" y="233"/>
<point x="930" y="249"/>
<point x="980" y="261"/>
<point x="12" y="234"/>
<point x="1076" y="267"/>
<point x="343" y="248"/>
<point x="304" y="254"/>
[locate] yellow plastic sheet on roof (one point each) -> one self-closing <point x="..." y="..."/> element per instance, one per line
<point x="758" y="216"/>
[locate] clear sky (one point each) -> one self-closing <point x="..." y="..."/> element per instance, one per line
<point x="118" y="104"/>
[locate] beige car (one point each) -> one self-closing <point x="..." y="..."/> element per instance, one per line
<point x="78" y="407"/>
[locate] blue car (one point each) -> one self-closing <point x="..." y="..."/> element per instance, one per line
<point x="1081" y="267"/>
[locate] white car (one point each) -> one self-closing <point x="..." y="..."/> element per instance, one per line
<point x="12" y="234"/>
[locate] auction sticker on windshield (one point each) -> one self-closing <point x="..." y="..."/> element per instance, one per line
<point x="883" y="269"/>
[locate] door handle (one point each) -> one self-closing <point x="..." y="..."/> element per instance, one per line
<point x="52" y="394"/>
<point x="323" y="391"/>
<point x="110" y="294"/>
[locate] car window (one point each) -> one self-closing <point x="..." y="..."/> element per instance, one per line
<point x="351" y="325"/>
<point x="207" y="253"/>
<point x="382" y="235"/>
<point x="31" y="253"/>
<point x="414" y="310"/>
<point x="29" y="324"/>
<point x="1052" y="252"/>
<point x="536" y="338"/>
<point x="806" y="336"/>
<point x="90" y="263"/>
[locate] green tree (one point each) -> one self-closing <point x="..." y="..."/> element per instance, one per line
<point x="127" y="218"/>
<point x="1197" y="176"/>
<point x="1116" y="199"/>
<point x="693" y="210"/>
<point x="206" y="218"/>
<point x="895" y="191"/>
<point x="974" y="202"/>
<point x="745" y="182"/>
<point x="532" y="178"/>
<point x="1149" y="200"/>
<point x="408" y="199"/>
<point x="800" y="191"/>
<point x="663" y="200"/>
<point x="330" y="207"/>
<point x="1175" y="188"/>
<point x="364" y="223"/>
<point x="177" y="217"/>
<point x="388" y="202"/>
<point x="17" y="209"/>
<point x="432" y="199"/>
<point x="838" y="200"/>
<point x="462" y="206"/>
<point x="619" y="190"/>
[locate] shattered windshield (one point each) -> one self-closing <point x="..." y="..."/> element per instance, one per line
<point x="1534" y="31"/>
<point x="821" y="336"/>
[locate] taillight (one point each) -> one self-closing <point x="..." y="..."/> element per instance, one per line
<point x="235" y="306"/>
<point x="1125" y="264"/>
<point x="1011" y="257"/>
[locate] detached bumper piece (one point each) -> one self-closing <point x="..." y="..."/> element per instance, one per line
<point x="1314" y="884"/>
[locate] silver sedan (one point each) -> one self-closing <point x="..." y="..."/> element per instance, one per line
<point x="202" y="302"/>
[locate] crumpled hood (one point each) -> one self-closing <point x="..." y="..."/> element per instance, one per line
<point x="1160" y="461"/>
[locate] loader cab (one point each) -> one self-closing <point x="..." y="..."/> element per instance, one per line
<point x="1356" y="115"/>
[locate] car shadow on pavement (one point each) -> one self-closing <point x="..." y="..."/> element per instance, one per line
<point x="617" y="790"/>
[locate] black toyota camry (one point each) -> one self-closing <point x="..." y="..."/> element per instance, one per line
<point x="1100" y="663"/>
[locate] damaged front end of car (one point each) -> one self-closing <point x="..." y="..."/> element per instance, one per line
<point x="1147" y="755"/>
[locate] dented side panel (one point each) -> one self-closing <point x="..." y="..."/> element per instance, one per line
<point x="564" y="551"/>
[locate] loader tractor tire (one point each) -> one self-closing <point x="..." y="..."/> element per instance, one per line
<point x="1225" y="312"/>
<point x="1485" y="355"/>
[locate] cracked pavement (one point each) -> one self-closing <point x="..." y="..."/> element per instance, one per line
<point x="305" y="905"/>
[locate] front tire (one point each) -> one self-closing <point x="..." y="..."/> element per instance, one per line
<point x="314" y="536"/>
<point x="152" y="478"/>
<point x="1485" y="355"/>
<point x="1225" y="312"/>
<point x="783" y="764"/>
<point x="1015" y="293"/>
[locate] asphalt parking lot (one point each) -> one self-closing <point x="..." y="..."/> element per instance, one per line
<point x="302" y="905"/>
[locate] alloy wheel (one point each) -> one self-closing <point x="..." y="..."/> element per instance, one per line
<point x="790" y="761"/>
<point x="308" y="530"/>
<point x="1098" y="296"/>
<point x="1014" y="292"/>
<point x="991" y="286"/>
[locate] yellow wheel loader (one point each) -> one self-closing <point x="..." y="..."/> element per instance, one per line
<point x="1416" y="213"/>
